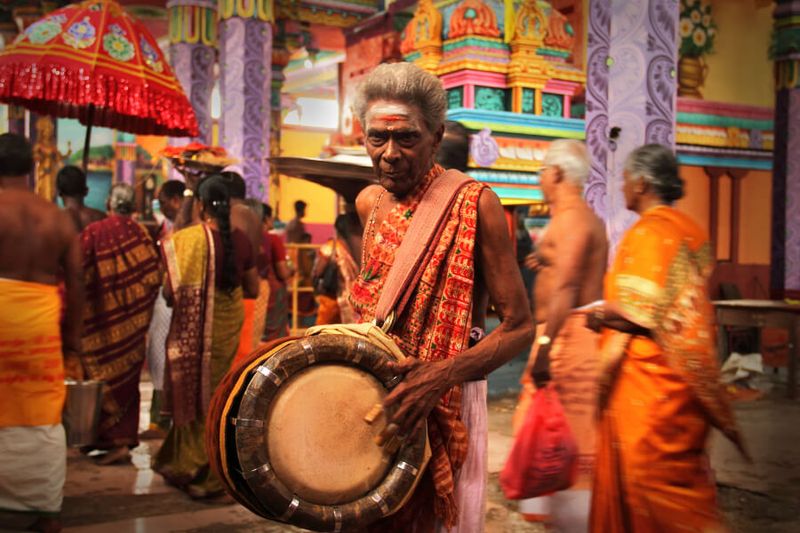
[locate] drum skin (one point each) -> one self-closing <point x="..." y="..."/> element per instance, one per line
<point x="252" y="426"/>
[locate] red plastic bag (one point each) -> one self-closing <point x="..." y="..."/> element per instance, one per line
<point x="544" y="457"/>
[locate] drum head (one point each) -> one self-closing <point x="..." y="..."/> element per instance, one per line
<point x="293" y="443"/>
<point x="321" y="409"/>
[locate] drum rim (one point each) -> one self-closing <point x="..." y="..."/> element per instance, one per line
<point x="267" y="374"/>
<point x="229" y="477"/>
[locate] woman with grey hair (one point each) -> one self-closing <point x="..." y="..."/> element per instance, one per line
<point x="121" y="199"/>
<point x="122" y="274"/>
<point x="659" y="379"/>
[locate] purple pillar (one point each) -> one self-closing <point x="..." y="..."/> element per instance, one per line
<point x="245" y="89"/>
<point x="125" y="158"/>
<point x="630" y="94"/>
<point x="785" y="261"/>
<point x="192" y="52"/>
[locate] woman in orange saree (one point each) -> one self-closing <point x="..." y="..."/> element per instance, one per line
<point x="659" y="389"/>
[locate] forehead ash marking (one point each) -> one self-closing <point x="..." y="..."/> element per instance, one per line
<point x="394" y="112"/>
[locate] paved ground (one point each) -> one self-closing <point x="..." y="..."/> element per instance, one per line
<point x="759" y="497"/>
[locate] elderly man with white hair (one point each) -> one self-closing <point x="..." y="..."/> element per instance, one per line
<point x="571" y="259"/>
<point x="402" y="109"/>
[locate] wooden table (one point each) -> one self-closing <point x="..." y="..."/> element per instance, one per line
<point x="759" y="314"/>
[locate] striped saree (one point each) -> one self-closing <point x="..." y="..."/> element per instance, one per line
<point x="121" y="270"/>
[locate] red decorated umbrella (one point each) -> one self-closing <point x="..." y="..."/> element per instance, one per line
<point x="94" y="62"/>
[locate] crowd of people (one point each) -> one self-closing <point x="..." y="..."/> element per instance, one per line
<point x="629" y="349"/>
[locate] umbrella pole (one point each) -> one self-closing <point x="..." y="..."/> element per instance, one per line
<point x="87" y="142"/>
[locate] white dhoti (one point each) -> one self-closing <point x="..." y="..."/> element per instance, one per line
<point x="156" y="341"/>
<point x="33" y="468"/>
<point x="472" y="479"/>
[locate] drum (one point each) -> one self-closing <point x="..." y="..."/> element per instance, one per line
<point x="288" y="436"/>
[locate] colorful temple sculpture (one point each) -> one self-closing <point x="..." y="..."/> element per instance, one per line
<point x="510" y="78"/>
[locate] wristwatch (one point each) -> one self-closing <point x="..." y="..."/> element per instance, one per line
<point x="543" y="340"/>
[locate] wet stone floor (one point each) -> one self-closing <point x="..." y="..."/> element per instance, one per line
<point x="131" y="498"/>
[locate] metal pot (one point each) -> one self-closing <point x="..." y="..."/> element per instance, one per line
<point x="82" y="411"/>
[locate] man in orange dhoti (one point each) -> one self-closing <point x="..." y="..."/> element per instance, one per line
<point x="38" y="247"/>
<point x="571" y="259"/>
<point x="121" y="269"/>
<point x="401" y="108"/>
<point x="660" y="391"/>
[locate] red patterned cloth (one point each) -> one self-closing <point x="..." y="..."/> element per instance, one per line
<point x="436" y="323"/>
<point x="121" y="271"/>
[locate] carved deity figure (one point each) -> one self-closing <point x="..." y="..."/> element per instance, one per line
<point x="46" y="157"/>
<point x="531" y="24"/>
<point x="473" y="17"/>
<point x="425" y="29"/>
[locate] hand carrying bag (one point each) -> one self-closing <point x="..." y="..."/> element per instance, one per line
<point x="544" y="457"/>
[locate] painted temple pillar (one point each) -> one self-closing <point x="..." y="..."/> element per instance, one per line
<point x="631" y="86"/>
<point x="125" y="158"/>
<point x="280" y="59"/>
<point x="246" y="87"/>
<point x="785" y="256"/>
<point x="193" y="38"/>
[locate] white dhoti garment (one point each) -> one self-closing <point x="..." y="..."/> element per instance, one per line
<point x="156" y="341"/>
<point x="472" y="479"/>
<point x="33" y="468"/>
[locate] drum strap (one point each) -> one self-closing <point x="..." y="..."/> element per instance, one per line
<point x="418" y="244"/>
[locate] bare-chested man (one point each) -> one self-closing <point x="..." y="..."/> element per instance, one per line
<point x="571" y="260"/>
<point x="38" y="247"/>
<point x="71" y="186"/>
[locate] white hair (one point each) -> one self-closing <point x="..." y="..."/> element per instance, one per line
<point x="572" y="158"/>
<point x="122" y="199"/>
<point x="407" y="83"/>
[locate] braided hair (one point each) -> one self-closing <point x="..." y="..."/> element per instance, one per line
<point x="214" y="195"/>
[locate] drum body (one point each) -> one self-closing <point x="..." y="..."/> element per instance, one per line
<point x="286" y="433"/>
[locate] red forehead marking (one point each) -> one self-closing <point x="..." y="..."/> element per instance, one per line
<point x="391" y="118"/>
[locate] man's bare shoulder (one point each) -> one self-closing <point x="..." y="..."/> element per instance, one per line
<point x="93" y="214"/>
<point x="32" y="214"/>
<point x="579" y="219"/>
<point x="366" y="200"/>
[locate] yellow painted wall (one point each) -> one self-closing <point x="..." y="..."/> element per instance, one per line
<point x="321" y="200"/>
<point x="755" y="213"/>
<point x="739" y="71"/>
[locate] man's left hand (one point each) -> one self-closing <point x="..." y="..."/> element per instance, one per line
<point x="415" y="397"/>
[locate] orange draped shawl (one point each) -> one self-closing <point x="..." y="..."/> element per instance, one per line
<point x="659" y="394"/>
<point x="437" y="321"/>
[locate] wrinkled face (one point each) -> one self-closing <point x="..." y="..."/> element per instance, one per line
<point x="399" y="144"/>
